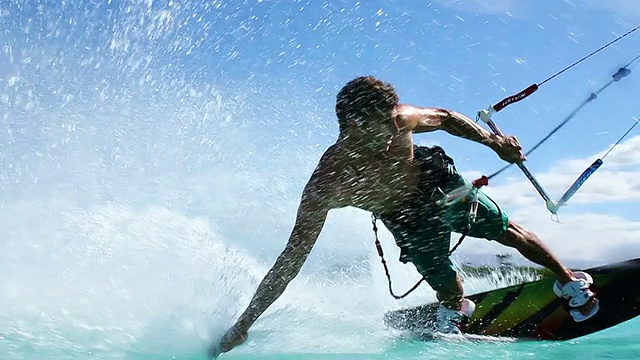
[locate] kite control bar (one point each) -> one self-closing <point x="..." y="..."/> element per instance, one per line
<point x="471" y="192"/>
<point x="512" y="99"/>
<point x="485" y="115"/>
<point x="552" y="205"/>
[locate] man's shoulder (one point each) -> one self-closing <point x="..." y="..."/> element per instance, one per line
<point x="332" y="155"/>
<point x="408" y="116"/>
<point x="420" y="119"/>
<point x="329" y="163"/>
<point x="326" y="164"/>
<point x="324" y="181"/>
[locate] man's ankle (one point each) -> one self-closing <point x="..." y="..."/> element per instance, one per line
<point x="453" y="304"/>
<point x="564" y="275"/>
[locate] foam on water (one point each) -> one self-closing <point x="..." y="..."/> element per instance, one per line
<point x="116" y="280"/>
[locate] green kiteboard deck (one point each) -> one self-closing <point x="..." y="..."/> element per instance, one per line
<point x="533" y="311"/>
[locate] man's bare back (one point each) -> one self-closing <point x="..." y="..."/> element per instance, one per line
<point x="369" y="181"/>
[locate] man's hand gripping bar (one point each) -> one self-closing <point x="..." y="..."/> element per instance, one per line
<point x="552" y="206"/>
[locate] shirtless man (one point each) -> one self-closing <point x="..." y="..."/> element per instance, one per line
<point x="375" y="166"/>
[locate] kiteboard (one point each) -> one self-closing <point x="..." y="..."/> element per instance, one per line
<point x="532" y="311"/>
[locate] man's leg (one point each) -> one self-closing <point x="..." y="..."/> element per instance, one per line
<point x="493" y="224"/>
<point x="439" y="272"/>
<point x="424" y="241"/>
<point x="530" y="246"/>
<point x="429" y="253"/>
<point x="451" y="295"/>
<point x="442" y="277"/>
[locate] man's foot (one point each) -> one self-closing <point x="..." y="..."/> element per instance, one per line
<point x="581" y="299"/>
<point x="451" y="321"/>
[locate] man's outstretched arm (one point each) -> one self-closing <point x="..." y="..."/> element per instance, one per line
<point x="309" y="222"/>
<point x="310" y="218"/>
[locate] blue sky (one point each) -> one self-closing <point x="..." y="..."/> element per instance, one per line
<point x="436" y="53"/>
<point x="437" y="56"/>
<point x="142" y="83"/>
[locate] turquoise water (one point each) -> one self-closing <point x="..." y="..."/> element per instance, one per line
<point x="154" y="284"/>
<point x="151" y="165"/>
<point x="316" y="319"/>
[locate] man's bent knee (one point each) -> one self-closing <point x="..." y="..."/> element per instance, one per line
<point x="516" y="235"/>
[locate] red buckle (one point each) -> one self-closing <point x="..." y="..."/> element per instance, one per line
<point x="480" y="182"/>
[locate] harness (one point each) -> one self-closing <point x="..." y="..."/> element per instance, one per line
<point x="434" y="166"/>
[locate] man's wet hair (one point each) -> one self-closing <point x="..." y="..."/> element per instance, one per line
<point x="363" y="97"/>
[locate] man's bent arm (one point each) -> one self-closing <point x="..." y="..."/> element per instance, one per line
<point x="310" y="219"/>
<point x="459" y="125"/>
<point x="424" y="119"/>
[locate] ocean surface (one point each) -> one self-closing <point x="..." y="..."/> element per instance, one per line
<point x="152" y="155"/>
<point x="155" y="304"/>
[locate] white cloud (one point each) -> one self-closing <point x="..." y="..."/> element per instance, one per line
<point x="616" y="180"/>
<point x="586" y="234"/>
<point x="627" y="9"/>
<point x="482" y="6"/>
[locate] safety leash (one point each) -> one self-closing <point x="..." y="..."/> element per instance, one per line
<point x="384" y="263"/>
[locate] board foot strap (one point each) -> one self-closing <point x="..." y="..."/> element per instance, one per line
<point x="579" y="294"/>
